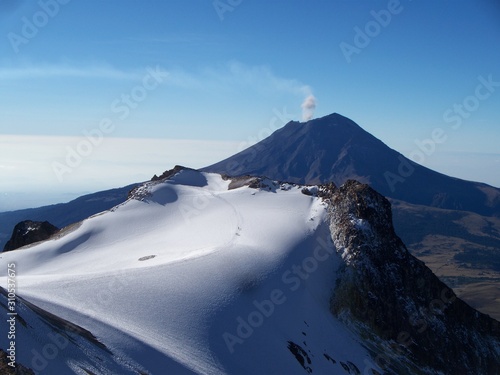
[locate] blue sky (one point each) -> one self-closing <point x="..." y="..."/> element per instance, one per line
<point x="194" y="81"/>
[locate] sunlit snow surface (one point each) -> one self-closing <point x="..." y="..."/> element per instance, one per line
<point x="165" y="280"/>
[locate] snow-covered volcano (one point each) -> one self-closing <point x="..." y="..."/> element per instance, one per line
<point x="197" y="273"/>
<point x="189" y="276"/>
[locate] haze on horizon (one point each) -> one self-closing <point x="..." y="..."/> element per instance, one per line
<point x="132" y="89"/>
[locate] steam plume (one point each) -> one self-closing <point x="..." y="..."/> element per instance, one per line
<point x="308" y="106"/>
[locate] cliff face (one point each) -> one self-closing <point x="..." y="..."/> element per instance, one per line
<point x="417" y="320"/>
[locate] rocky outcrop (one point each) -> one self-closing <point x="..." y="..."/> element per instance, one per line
<point x="406" y="314"/>
<point x="27" y="232"/>
<point x="169" y="173"/>
<point x="7" y="367"/>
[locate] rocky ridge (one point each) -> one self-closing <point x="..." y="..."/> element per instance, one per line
<point x="418" y="321"/>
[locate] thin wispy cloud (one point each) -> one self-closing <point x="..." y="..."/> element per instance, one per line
<point x="57" y="71"/>
<point x="235" y="76"/>
<point x="231" y="75"/>
<point x="232" y="78"/>
<point x="260" y="78"/>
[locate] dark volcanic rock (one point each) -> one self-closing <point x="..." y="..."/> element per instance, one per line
<point x="300" y="355"/>
<point x="18" y="369"/>
<point x="27" y="232"/>
<point x="384" y="290"/>
<point x="169" y="173"/>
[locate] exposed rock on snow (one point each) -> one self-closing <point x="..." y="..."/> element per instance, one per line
<point x="169" y="173"/>
<point x="27" y="232"/>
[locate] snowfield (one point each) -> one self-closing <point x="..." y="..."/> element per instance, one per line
<point x="187" y="277"/>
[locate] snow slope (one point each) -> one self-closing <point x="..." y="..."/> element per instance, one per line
<point x="190" y="277"/>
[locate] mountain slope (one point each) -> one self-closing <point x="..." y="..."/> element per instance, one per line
<point x="198" y="274"/>
<point x="460" y="247"/>
<point x="437" y="216"/>
<point x="63" y="214"/>
<point x="165" y="280"/>
<point x="334" y="149"/>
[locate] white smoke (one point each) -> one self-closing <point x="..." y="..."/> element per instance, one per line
<point x="308" y="106"/>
